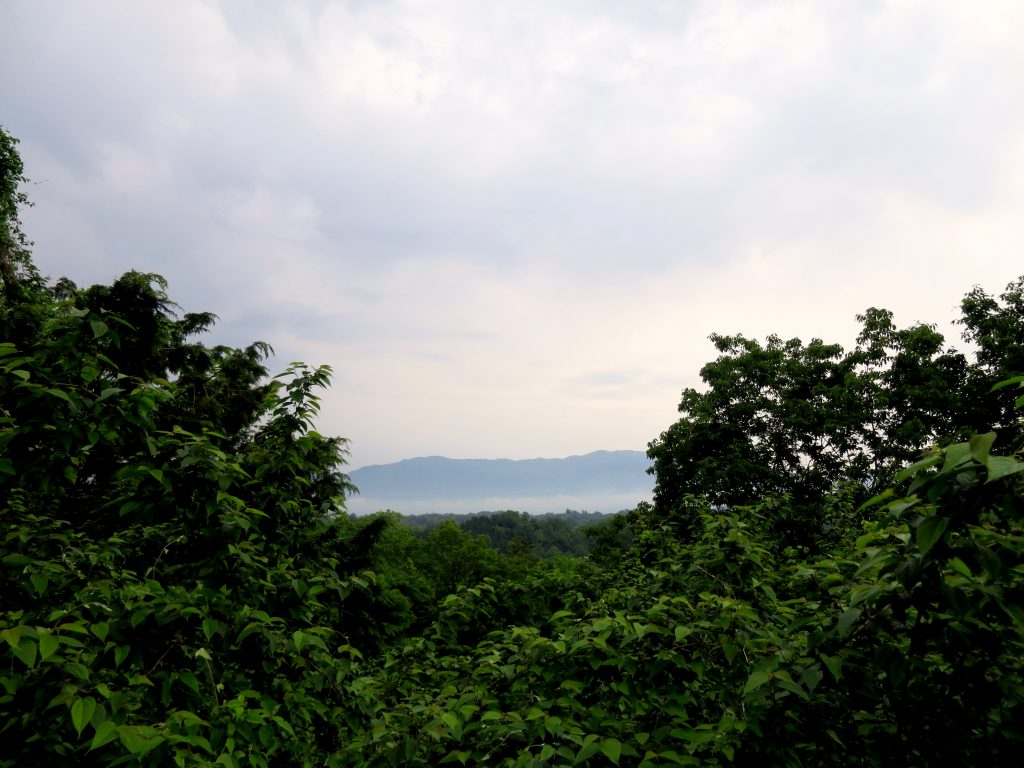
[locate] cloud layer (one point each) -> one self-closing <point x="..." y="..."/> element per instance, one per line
<point x="510" y="228"/>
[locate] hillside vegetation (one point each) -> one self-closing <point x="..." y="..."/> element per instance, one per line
<point x="831" y="573"/>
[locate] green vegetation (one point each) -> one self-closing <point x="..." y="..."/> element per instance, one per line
<point x="832" y="572"/>
<point x="510" y="532"/>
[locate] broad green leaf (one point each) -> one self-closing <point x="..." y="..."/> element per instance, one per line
<point x="106" y="732"/>
<point x="957" y="455"/>
<point x="108" y="392"/>
<point x="121" y="653"/>
<point x="26" y="652"/>
<point x="811" y="677"/>
<point x="39" y="582"/>
<point x="929" y="532"/>
<point x="13" y="635"/>
<point x="48" y="644"/>
<point x="1018" y="380"/>
<point x="6" y="467"/>
<point x="209" y="627"/>
<point x="587" y="751"/>
<point x="139" y="739"/>
<point x="961" y="567"/>
<point x="928" y="461"/>
<point x="980" y="445"/>
<point x="100" y="629"/>
<point x="98" y="328"/>
<point x="846" y="621"/>
<point x="1014" y="611"/>
<point x="756" y="680"/>
<point x="793" y="687"/>
<point x="682" y="632"/>
<point x="60" y="394"/>
<point x="81" y="713"/>
<point x="285" y="725"/>
<point x="1001" y="466"/>
<point x="612" y="749"/>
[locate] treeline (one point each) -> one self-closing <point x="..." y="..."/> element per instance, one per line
<point x="832" y="572"/>
<point x="569" y="534"/>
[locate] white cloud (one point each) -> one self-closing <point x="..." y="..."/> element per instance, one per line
<point x="511" y="228"/>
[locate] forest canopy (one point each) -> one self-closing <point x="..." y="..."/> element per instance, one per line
<point x="832" y="572"/>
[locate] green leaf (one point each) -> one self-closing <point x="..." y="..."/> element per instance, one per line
<point x="811" y="677"/>
<point x="209" y="627"/>
<point x="60" y="394"/>
<point x="98" y="328"/>
<point x="961" y="567"/>
<point x="1001" y="466"/>
<point x="957" y="455"/>
<point x="139" y="739"/>
<point x="48" y="644"/>
<point x="846" y="621"/>
<point x="39" y="582"/>
<point x="81" y="713"/>
<point x="756" y="680"/>
<point x="792" y="687"/>
<point x="106" y="732"/>
<point x="121" y="653"/>
<point x="6" y="467"/>
<point x="26" y="652"/>
<point x="928" y="461"/>
<point x="588" y="750"/>
<point x="929" y="532"/>
<point x="100" y="629"/>
<point x="109" y="392"/>
<point x="980" y="445"/>
<point x="612" y="749"/>
<point x="1018" y="380"/>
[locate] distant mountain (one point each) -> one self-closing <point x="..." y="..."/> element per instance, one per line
<point x="609" y="479"/>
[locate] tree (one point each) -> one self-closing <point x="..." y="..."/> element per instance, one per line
<point x="786" y="419"/>
<point x="20" y="282"/>
<point x="176" y="562"/>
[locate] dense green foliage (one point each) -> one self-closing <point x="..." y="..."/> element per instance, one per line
<point x="803" y="423"/>
<point x="508" y="531"/>
<point x="180" y="584"/>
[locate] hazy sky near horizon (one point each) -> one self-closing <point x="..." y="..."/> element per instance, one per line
<point x="511" y="227"/>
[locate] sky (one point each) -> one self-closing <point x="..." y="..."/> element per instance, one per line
<point x="510" y="227"/>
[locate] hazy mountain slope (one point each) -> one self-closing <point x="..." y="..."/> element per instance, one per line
<point x="602" y="480"/>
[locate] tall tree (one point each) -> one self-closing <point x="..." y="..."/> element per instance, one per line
<point x="21" y="286"/>
<point x="803" y="421"/>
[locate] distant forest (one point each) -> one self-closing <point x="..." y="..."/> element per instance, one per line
<point x="570" y="534"/>
<point x="831" y="572"/>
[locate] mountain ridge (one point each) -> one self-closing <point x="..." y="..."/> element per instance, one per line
<point x="423" y="479"/>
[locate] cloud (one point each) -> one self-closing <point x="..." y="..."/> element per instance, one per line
<point x="510" y="229"/>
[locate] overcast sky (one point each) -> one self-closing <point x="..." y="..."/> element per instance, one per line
<point x="511" y="227"/>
